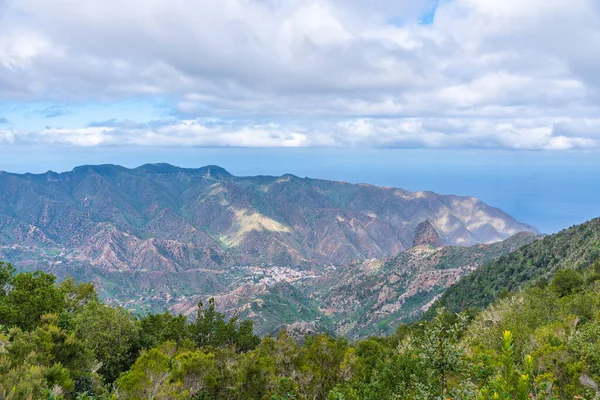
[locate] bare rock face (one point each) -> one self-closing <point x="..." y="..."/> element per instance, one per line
<point x="425" y="233"/>
<point x="301" y="329"/>
<point x="372" y="297"/>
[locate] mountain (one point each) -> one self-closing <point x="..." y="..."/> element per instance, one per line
<point x="577" y="247"/>
<point x="164" y="218"/>
<point x="159" y="236"/>
<point x="370" y="297"/>
<point x="425" y="233"/>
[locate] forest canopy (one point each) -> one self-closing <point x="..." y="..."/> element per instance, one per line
<point x="59" y="341"/>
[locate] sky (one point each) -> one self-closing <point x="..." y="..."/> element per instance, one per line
<point x="328" y="88"/>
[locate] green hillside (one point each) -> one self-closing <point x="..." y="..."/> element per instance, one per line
<point x="577" y="248"/>
<point x="60" y="342"/>
<point x="373" y="297"/>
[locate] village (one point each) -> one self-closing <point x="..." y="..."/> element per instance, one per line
<point x="272" y="275"/>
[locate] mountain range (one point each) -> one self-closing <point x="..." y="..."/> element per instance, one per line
<point x="369" y="297"/>
<point x="159" y="236"/>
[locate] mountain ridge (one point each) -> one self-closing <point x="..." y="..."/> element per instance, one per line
<point x="370" y="297"/>
<point x="297" y="221"/>
<point x="182" y="232"/>
<point x="576" y="247"/>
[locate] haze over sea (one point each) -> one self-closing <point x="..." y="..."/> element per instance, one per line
<point x="549" y="190"/>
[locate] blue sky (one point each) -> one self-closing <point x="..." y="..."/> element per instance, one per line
<point x="240" y="82"/>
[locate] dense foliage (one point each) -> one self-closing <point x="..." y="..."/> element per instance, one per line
<point x="60" y="342"/>
<point x="575" y="248"/>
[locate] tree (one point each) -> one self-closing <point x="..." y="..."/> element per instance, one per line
<point x="7" y="272"/>
<point x="30" y="296"/>
<point x="23" y="382"/>
<point x="322" y="356"/>
<point x="399" y="373"/>
<point x="257" y="373"/>
<point x="370" y="353"/>
<point x="156" y="329"/>
<point x="76" y="295"/>
<point x="195" y="372"/>
<point x="510" y="383"/>
<point x="112" y="334"/>
<point x="287" y="389"/>
<point x="245" y="339"/>
<point x="211" y="330"/>
<point x="148" y="377"/>
<point x="49" y="352"/>
<point x="228" y="363"/>
<point x="566" y="281"/>
<point x="586" y="346"/>
<point x="439" y="346"/>
<point x="286" y="354"/>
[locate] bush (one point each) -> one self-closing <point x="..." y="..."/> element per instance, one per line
<point x="566" y="281"/>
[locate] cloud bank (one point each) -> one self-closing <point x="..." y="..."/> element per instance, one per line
<point x="272" y="73"/>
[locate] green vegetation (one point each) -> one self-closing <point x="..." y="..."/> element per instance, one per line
<point x="59" y="342"/>
<point x="281" y="305"/>
<point x="371" y="298"/>
<point x="576" y="248"/>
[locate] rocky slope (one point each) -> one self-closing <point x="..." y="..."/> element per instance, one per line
<point x="425" y="233"/>
<point x="371" y="297"/>
<point x="164" y="218"/>
<point x="577" y="247"/>
<point x="159" y="236"/>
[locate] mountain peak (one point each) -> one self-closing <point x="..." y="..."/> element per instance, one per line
<point x="213" y="171"/>
<point x="425" y="233"/>
<point x="252" y="220"/>
<point x="103" y="169"/>
<point x="158" y="168"/>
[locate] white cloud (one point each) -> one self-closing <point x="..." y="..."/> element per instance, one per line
<point x="580" y="128"/>
<point x="485" y="73"/>
<point x="517" y="134"/>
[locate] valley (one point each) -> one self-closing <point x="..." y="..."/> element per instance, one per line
<point x="350" y="259"/>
